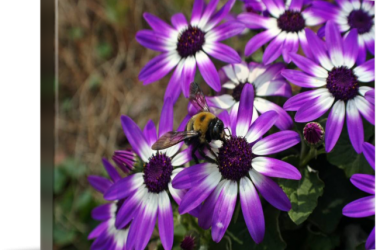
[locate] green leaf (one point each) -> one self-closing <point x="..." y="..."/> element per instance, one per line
<point x="345" y="157"/>
<point x="303" y="194"/>
<point x="337" y="193"/>
<point x="318" y="241"/>
<point x="60" y="180"/>
<point x="62" y="236"/>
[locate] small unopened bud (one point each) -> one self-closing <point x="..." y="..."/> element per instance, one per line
<point x="188" y="243"/>
<point x="125" y="159"/>
<point x="313" y="133"/>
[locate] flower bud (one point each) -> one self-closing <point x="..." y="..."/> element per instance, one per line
<point x="313" y="133"/>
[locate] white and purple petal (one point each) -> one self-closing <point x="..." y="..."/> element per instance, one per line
<point x="303" y="80"/>
<point x="221" y="52"/>
<point x="252" y="209"/>
<point x="366" y="109"/>
<point x="191" y="176"/>
<point x="165" y="220"/>
<point x="197" y="194"/>
<point x="334" y="124"/>
<point x="354" y="126"/>
<point x="207" y="209"/>
<point x="315" y="109"/>
<point x="350" y="48"/>
<point x="261" y="125"/>
<point x="259" y="40"/>
<point x="124" y="187"/>
<point x="298" y="101"/>
<point x="208" y="70"/>
<point x="370" y="96"/>
<point x="276" y="142"/>
<point x="364" y="182"/>
<point x="223" y="211"/>
<point x="369" y="154"/>
<point x="359" y="208"/>
<point x="244" y="116"/>
<point x="270" y="191"/>
<point x="308" y="66"/>
<point x="366" y="71"/>
<point x="275" y="168"/>
<point x="284" y="120"/>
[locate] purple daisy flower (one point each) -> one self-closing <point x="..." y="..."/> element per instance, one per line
<point x="339" y="85"/>
<point x="364" y="207"/>
<point x="286" y="27"/>
<point x="253" y="6"/>
<point x="266" y="80"/>
<point x="353" y="14"/>
<point x="146" y="194"/>
<point x="106" y="235"/>
<point x="241" y="168"/>
<point x="187" y="45"/>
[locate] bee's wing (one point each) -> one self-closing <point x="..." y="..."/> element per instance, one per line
<point x="197" y="98"/>
<point x="172" y="138"/>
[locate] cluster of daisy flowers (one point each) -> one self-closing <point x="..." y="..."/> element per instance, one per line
<point x="321" y="51"/>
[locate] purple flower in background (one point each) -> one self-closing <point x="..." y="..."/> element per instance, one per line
<point x="338" y="85"/>
<point x="254" y="6"/>
<point x="354" y="14"/>
<point x="286" y="27"/>
<point x="266" y="80"/>
<point x="364" y="207"/>
<point x="106" y="235"/>
<point x="187" y="45"/>
<point x="241" y="168"/>
<point x="146" y="194"/>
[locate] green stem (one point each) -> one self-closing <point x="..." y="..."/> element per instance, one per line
<point x="234" y="237"/>
<point x="313" y="153"/>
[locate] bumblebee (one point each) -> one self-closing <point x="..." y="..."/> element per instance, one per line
<point x="201" y="129"/>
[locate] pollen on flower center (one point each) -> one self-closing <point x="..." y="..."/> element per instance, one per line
<point x="190" y="41"/>
<point x="157" y="173"/>
<point x="360" y="20"/>
<point x="342" y="83"/>
<point x="235" y="157"/>
<point x="291" y="21"/>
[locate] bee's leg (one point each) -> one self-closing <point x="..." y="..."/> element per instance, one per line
<point x="212" y="152"/>
<point x="209" y="159"/>
<point x="195" y="148"/>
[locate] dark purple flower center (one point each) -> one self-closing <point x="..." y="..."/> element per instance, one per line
<point x="157" y="173"/>
<point x="237" y="91"/>
<point x="313" y="133"/>
<point x="190" y="41"/>
<point x="188" y="243"/>
<point x="342" y="83"/>
<point x="291" y="21"/>
<point x="360" y="20"/>
<point x="235" y="157"/>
